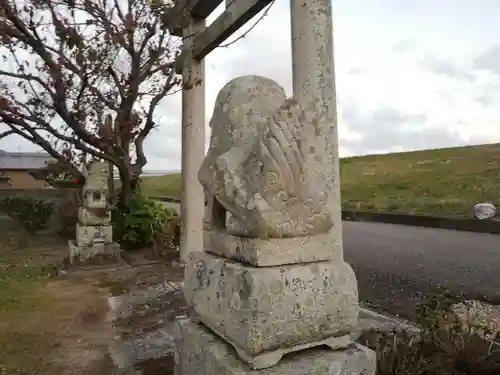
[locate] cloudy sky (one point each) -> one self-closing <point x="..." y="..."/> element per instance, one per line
<point x="410" y="75"/>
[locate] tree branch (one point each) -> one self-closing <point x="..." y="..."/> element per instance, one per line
<point x="7" y="133"/>
<point x="75" y="81"/>
<point x="23" y="121"/>
<point x="148" y="126"/>
<point x="43" y="143"/>
<point x="57" y="75"/>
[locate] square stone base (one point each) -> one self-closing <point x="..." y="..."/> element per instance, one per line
<point x="86" y="234"/>
<point x="97" y="254"/>
<point x="260" y="310"/>
<point x="201" y="352"/>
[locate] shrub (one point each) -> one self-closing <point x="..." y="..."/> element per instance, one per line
<point x="443" y="346"/>
<point x="398" y="352"/>
<point x="143" y="223"/>
<point x="68" y="213"/>
<point x="168" y="239"/>
<point x="455" y="344"/>
<point x="436" y="310"/>
<point x="32" y="214"/>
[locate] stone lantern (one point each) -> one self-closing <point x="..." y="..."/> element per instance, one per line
<point x="94" y="233"/>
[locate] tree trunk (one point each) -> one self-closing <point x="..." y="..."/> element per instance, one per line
<point x="111" y="180"/>
<point x="126" y="189"/>
<point x="129" y="185"/>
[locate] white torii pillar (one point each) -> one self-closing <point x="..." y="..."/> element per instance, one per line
<point x="314" y="88"/>
<point x="193" y="145"/>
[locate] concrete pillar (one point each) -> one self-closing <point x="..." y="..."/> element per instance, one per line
<point x="314" y="88"/>
<point x="193" y="145"/>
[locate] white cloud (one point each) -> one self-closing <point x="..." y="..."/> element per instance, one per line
<point x="410" y="75"/>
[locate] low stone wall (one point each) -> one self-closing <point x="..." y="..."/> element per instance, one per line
<point x="441" y="222"/>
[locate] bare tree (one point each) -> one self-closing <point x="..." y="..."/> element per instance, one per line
<point x="85" y="77"/>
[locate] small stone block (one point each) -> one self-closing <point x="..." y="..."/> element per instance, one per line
<point x="94" y="216"/>
<point x="201" y="352"/>
<point x="86" y="234"/>
<point x="261" y="310"/>
<point x="95" y="199"/>
<point x="272" y="251"/>
<point x="95" y="254"/>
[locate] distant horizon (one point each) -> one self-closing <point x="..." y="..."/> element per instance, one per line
<point x="166" y="172"/>
<point x="160" y="172"/>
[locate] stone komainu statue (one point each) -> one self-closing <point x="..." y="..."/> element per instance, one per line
<point x="262" y="165"/>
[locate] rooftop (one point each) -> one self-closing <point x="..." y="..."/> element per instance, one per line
<point x="23" y="160"/>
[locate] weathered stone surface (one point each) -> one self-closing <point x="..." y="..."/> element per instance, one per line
<point x="369" y="320"/>
<point x="95" y="199"/>
<point x="484" y="211"/>
<point x="313" y="81"/>
<point x="201" y="352"/>
<point x="123" y="306"/>
<point x="93" y="217"/>
<point x="96" y="177"/>
<point x="272" y="251"/>
<point x="88" y="235"/>
<point x="262" y="165"/>
<point x="95" y="252"/>
<point x="260" y="310"/>
<point x="94" y="233"/>
<point x="95" y="190"/>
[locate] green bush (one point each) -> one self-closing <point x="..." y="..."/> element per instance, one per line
<point x="32" y="214"/>
<point x="143" y="222"/>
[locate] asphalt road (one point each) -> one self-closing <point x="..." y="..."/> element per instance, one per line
<point x="396" y="265"/>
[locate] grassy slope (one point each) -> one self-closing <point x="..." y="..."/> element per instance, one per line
<point x="162" y="186"/>
<point x="441" y="181"/>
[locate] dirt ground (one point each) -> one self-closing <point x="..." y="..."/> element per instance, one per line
<point x="53" y="324"/>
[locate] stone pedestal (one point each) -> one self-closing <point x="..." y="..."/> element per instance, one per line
<point x="93" y="244"/>
<point x="266" y="312"/>
<point x="95" y="253"/>
<point x="201" y="352"/>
